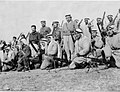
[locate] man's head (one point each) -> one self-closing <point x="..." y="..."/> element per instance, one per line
<point x="99" y="20"/>
<point x="43" y="23"/>
<point x="110" y="31"/>
<point x="22" y="42"/>
<point x="33" y="28"/>
<point x="86" y="20"/>
<point x="68" y="17"/>
<point x="110" y="18"/>
<point x="14" y="38"/>
<point x="55" y="24"/>
<point x="76" y="20"/>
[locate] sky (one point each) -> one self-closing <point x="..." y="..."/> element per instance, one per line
<point x="18" y="16"/>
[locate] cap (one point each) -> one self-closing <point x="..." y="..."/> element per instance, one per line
<point x="94" y="30"/>
<point x="68" y="15"/>
<point x="99" y="18"/>
<point x="86" y="18"/>
<point x="43" y="21"/>
<point x="57" y="22"/>
<point x="44" y="40"/>
<point x="109" y="15"/>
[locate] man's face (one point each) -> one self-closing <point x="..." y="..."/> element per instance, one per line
<point x="68" y="18"/>
<point x="33" y="29"/>
<point x="94" y="34"/>
<point x="55" y="25"/>
<point x="14" y="39"/>
<point x="86" y="21"/>
<point x="110" y="32"/>
<point x="43" y="24"/>
<point x="99" y="21"/>
<point x="110" y="19"/>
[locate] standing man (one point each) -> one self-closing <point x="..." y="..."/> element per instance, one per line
<point x="86" y="28"/>
<point x="57" y="35"/>
<point x="56" y="31"/>
<point x="44" y="30"/>
<point x="68" y="28"/>
<point x="34" y="41"/>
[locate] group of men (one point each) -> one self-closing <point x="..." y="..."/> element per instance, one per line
<point x="73" y="42"/>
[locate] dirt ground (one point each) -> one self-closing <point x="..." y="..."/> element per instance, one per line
<point x="64" y="80"/>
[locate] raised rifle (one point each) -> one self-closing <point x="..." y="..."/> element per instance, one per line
<point x="103" y="19"/>
<point x="112" y="21"/>
<point x="80" y="23"/>
<point x="62" y="23"/>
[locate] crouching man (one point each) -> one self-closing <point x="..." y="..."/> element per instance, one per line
<point x="24" y="54"/>
<point x="52" y="52"/>
<point x="82" y="48"/>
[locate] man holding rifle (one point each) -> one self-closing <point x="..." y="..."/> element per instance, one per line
<point x="82" y="48"/>
<point x="34" y="41"/>
<point x="68" y="29"/>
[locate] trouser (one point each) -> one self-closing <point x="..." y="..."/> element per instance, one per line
<point x="68" y="46"/>
<point x="116" y="55"/>
<point x="77" y="62"/>
<point x="23" y="63"/>
<point x="48" y="61"/>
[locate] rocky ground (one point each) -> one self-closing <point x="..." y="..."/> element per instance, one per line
<point x="64" y="80"/>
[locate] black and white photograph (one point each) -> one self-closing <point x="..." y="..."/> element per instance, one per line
<point x="60" y="45"/>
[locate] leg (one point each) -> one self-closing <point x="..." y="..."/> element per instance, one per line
<point x="71" y="45"/>
<point x="66" y="46"/>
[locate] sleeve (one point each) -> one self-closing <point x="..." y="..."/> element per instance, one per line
<point x="86" y="48"/>
<point x="49" y="30"/>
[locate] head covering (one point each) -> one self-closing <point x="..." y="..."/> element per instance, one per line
<point x="43" y="21"/>
<point x="94" y="30"/>
<point x="24" y="41"/>
<point x="68" y="15"/>
<point x="55" y="22"/>
<point x="99" y="18"/>
<point x="79" y="31"/>
<point x="86" y="18"/>
<point x="109" y="16"/>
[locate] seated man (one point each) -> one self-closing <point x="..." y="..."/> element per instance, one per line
<point x="36" y="61"/>
<point x="82" y="48"/>
<point x="52" y="52"/>
<point x="113" y="41"/>
<point x="24" y="54"/>
<point x="9" y="57"/>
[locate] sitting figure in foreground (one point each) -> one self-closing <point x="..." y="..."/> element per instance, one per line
<point x="82" y="48"/>
<point x="52" y="53"/>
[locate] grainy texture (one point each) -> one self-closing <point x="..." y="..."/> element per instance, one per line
<point x="63" y="80"/>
